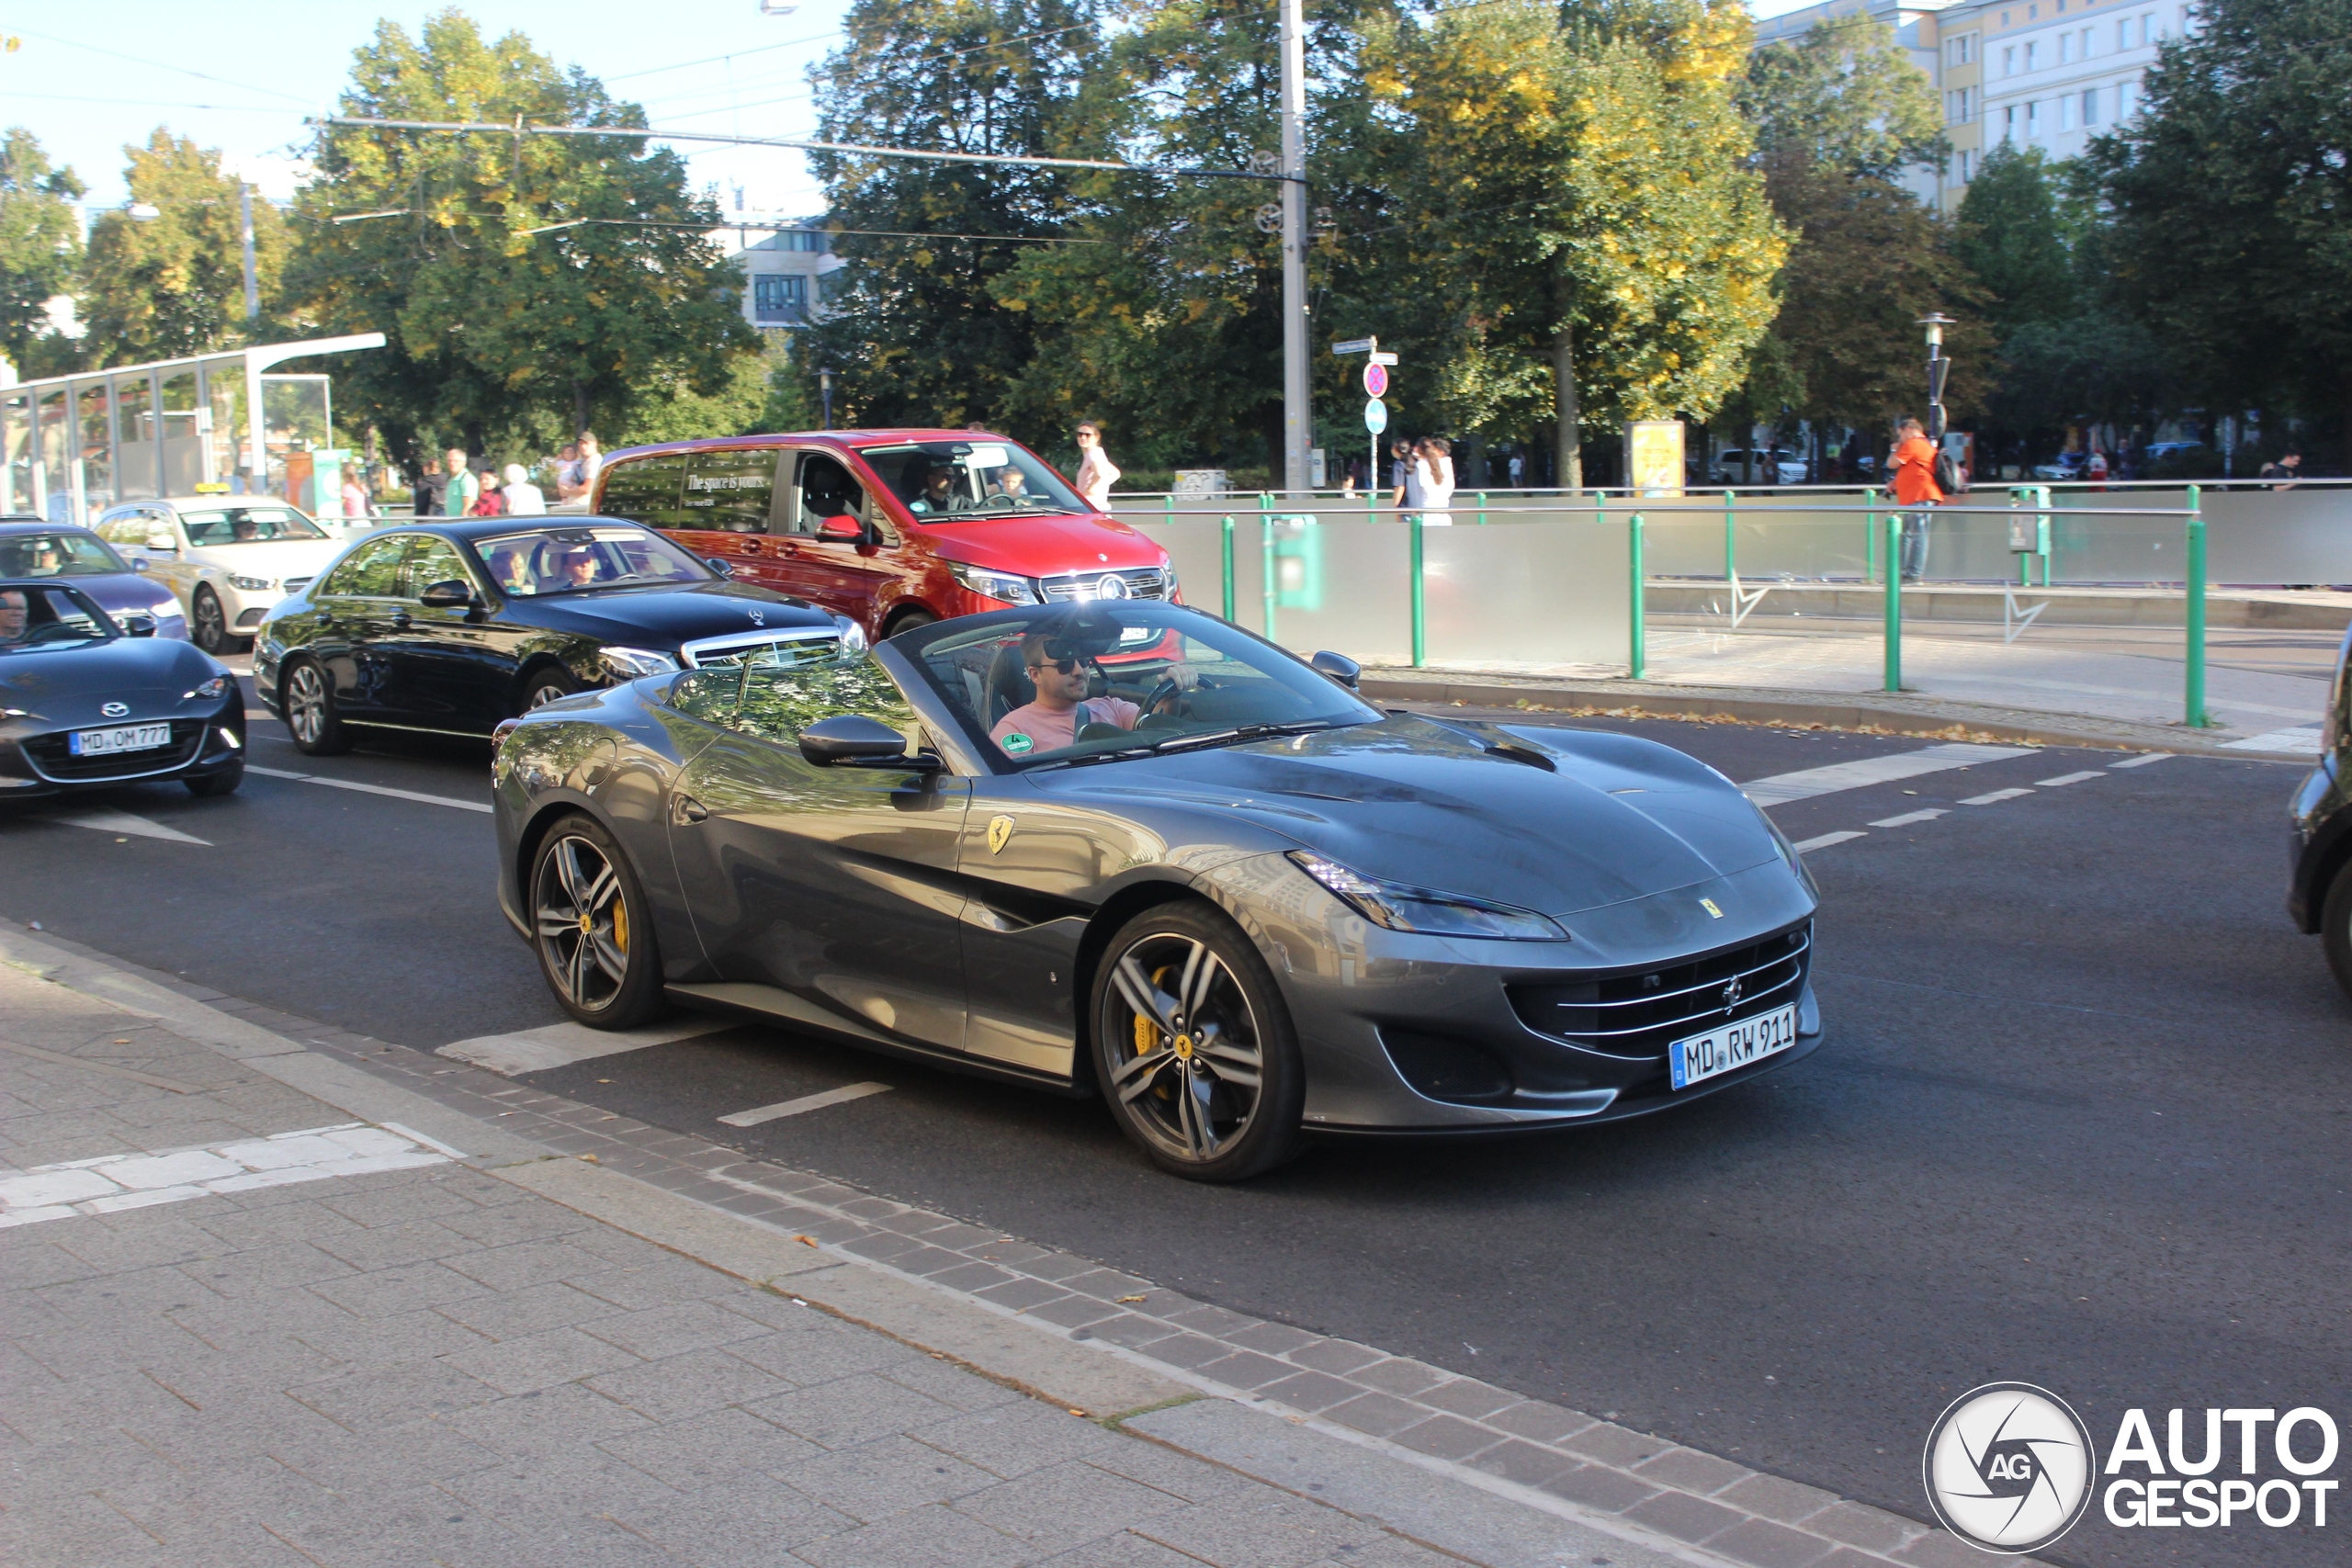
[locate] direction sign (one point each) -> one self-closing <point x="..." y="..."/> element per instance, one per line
<point x="1384" y="359"/>
<point x="1356" y="346"/>
<point x="1376" y="415"/>
<point x="1376" y="379"/>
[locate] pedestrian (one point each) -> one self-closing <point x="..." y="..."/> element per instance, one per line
<point x="1518" y="471"/>
<point x="1434" y="456"/>
<point x="524" y="499"/>
<point x="460" y="489"/>
<point x="354" y="496"/>
<point x="488" y="503"/>
<point x="2096" y="469"/>
<point x="1096" y="473"/>
<point x="1406" y="472"/>
<point x="1915" y="489"/>
<point x="585" y="460"/>
<point x="567" y="468"/>
<point x="2284" y="471"/>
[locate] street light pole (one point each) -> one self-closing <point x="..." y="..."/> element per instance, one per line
<point x="1937" y="368"/>
<point x="245" y="223"/>
<point x="825" y="386"/>
<point x="1299" y="413"/>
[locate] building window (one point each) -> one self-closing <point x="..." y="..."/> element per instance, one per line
<point x="778" y="297"/>
<point x="2034" y="123"/>
<point x="800" y="240"/>
<point x="2004" y="18"/>
<point x="2010" y="123"/>
<point x="1967" y="167"/>
<point x="2066" y="49"/>
<point x="2033" y="56"/>
<point x="2088" y="42"/>
<point x="1963" y="49"/>
<point x="2126" y="93"/>
<point x="2066" y="112"/>
<point x="2010" y="61"/>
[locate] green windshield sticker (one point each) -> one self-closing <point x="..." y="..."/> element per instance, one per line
<point x="1017" y="743"/>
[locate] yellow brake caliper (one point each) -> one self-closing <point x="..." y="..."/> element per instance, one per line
<point x="620" y="925"/>
<point x="1148" y="1032"/>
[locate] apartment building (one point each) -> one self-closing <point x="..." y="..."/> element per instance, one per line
<point x="2046" y="73"/>
<point x="784" y="261"/>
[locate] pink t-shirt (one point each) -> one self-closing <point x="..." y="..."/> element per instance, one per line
<point x="1035" y="728"/>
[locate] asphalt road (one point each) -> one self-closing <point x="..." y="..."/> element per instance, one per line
<point x="2081" y="1120"/>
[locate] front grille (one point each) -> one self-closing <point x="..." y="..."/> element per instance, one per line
<point x="1141" y="583"/>
<point x="251" y="618"/>
<point x="1639" y="1014"/>
<point x="295" y="584"/>
<point x="52" y="760"/>
<point x="790" y="645"/>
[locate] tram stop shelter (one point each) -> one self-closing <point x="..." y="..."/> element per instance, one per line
<point x="73" y="445"/>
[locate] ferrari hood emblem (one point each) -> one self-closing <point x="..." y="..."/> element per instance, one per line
<point x="1709" y="904"/>
<point x="1000" y="832"/>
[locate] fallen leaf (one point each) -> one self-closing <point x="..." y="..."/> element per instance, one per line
<point x="1131" y="1298"/>
<point x="592" y="1159"/>
<point x="805" y="1240"/>
<point x="1075" y="1411"/>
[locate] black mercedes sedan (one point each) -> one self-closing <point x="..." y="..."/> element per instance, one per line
<point x="1126" y="848"/>
<point x="2319" y="854"/>
<point x="89" y="700"/>
<point x="449" y="627"/>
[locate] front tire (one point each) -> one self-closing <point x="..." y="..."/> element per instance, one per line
<point x="592" y="930"/>
<point x="547" y="684"/>
<point x="907" y="620"/>
<point x="208" y="624"/>
<point x="1193" y="1048"/>
<point x="308" y="700"/>
<point x="2336" y="927"/>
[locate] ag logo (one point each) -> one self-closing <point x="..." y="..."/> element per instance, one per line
<point x="1000" y="831"/>
<point x="2009" y="1467"/>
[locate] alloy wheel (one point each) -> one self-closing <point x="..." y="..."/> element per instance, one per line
<point x="582" y="923"/>
<point x="1191" y="1065"/>
<point x="212" y="627"/>
<point x="306" y="703"/>
<point x="541" y="696"/>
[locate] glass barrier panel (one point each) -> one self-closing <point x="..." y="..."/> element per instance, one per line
<point x="138" y="468"/>
<point x="94" y="446"/>
<point x="295" y="419"/>
<point x="1783" y="537"/>
<point x="1553" y="590"/>
<point x="54" y="455"/>
<point x="16" y="453"/>
<point x="1341" y="584"/>
<point x="2277" y="535"/>
<point x="181" y="426"/>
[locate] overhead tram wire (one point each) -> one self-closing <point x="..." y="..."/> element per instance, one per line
<point x="926" y="60"/>
<point x="848" y="148"/>
<point x="798" y="228"/>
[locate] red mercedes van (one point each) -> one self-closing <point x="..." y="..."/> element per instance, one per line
<point x="892" y="528"/>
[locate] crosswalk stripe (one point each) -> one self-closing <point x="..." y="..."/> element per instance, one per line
<point x="1807" y="783"/>
<point x="560" y="1044"/>
<point x="1806" y="846"/>
<point x="806" y="1102"/>
<point x="1995" y="797"/>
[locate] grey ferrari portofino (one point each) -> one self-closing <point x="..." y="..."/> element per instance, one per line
<point x="1125" y="847"/>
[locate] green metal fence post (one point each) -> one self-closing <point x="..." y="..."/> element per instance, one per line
<point x="1731" y="538"/>
<point x="1869" y="534"/>
<point x="2195" y="616"/>
<point x="1420" y="606"/>
<point x="1893" y="602"/>
<point x="1273" y="583"/>
<point x="1225" y="560"/>
<point x="1481" y="509"/>
<point x="1169" y="501"/>
<point x="1639" y="637"/>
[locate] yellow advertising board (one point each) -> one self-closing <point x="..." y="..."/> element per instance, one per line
<point x="1654" y="457"/>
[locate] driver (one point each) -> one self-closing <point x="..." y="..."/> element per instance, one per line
<point x="45" y="561"/>
<point x="580" y="569"/>
<point x="1062" y="707"/>
<point x="245" y="529"/>
<point x="13" y="616"/>
<point x="938" y="492"/>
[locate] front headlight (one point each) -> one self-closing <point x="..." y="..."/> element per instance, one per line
<point x="633" y="663"/>
<point x="998" y="585"/>
<point x="1402" y="909"/>
<point x="251" y="585"/>
<point x="853" y="635"/>
<point x="213" y="691"/>
<point x="1168" y="576"/>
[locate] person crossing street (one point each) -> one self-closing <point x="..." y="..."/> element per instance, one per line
<point x="1916" y="492"/>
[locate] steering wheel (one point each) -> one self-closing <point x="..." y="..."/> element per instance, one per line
<point x="1167" y="689"/>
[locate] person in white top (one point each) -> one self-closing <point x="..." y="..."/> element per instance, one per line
<point x="1433" y="462"/>
<point x="1096" y="473"/>
<point x="524" y="499"/>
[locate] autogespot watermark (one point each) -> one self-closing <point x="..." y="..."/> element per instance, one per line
<point x="2009" y="1467"/>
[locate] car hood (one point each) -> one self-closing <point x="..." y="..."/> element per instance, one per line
<point x="1041" y="546"/>
<point x="661" y="618"/>
<point x="277" y="561"/>
<point x="116" y="592"/>
<point x="68" y="685"/>
<point x="1433" y="805"/>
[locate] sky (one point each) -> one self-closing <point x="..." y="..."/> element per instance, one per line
<point x="241" y="75"/>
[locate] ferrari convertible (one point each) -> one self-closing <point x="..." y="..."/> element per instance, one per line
<point x="1125" y="848"/>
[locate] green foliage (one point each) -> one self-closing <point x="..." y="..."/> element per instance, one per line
<point x="41" y="242"/>
<point x="2229" y="196"/>
<point x="2012" y="239"/>
<point x="173" y="284"/>
<point x="1845" y="97"/>
<point x="915" y="328"/>
<point x="667" y="407"/>
<point x="496" y="335"/>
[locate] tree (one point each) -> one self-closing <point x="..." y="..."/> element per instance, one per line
<point x="914" y="324"/>
<point x="1843" y="95"/>
<point x="2012" y="239"/>
<point x="41" y="241"/>
<point x="2228" y="197"/>
<point x="528" y="286"/>
<point x="172" y="285"/>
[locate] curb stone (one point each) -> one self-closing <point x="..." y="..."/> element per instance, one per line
<point x="1147" y="1353"/>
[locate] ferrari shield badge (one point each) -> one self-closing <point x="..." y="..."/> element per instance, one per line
<point x="1709" y="904"/>
<point x="1000" y="832"/>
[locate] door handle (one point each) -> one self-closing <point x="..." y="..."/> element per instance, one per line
<point x="685" y="810"/>
<point x="400" y="621"/>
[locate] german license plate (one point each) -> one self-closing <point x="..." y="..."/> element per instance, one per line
<point x="1702" y="1056"/>
<point x="127" y="738"/>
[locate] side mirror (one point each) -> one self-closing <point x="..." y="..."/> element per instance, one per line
<point x="842" y="530"/>
<point x="720" y="565"/>
<point x="161" y="542"/>
<point x="140" y="564"/>
<point x="450" y="595"/>
<point x="853" y="740"/>
<point x="1339" y="667"/>
<point x="137" y="622"/>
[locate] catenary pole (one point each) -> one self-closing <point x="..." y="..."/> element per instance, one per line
<point x="246" y="226"/>
<point x="1298" y="417"/>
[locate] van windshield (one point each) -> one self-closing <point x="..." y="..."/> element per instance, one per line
<point x="949" y="481"/>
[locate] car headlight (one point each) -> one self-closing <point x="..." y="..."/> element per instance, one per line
<point x="998" y="585"/>
<point x="1402" y="909"/>
<point x="631" y="663"/>
<point x="213" y="691"/>
<point x="853" y="635"/>
<point x="1168" y="576"/>
<point x="251" y="585"/>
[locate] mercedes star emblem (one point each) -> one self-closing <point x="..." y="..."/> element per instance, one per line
<point x="758" y="617"/>
<point x="1113" y="586"/>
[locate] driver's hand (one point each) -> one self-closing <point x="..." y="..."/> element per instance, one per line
<point x="1187" y="679"/>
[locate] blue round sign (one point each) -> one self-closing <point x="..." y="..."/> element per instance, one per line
<point x="1376" y="415"/>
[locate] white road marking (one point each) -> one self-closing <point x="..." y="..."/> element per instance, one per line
<point x="1994" y="798"/>
<point x="1807" y="783"/>
<point x="2304" y="737"/>
<point x="1806" y="846"/>
<point x="114" y="1182"/>
<point x="2142" y="760"/>
<point x="560" y="1044"/>
<point x="370" y="789"/>
<point x="2067" y="779"/>
<point x="842" y="1096"/>
<point x="1909" y="817"/>
<point x="124" y="822"/>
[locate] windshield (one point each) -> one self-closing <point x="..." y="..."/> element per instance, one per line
<point x="1072" y="682"/>
<point x="34" y="618"/>
<point x="247" y="526"/>
<point x="955" y="481"/>
<point x="66" y="553"/>
<point x="535" y="562"/>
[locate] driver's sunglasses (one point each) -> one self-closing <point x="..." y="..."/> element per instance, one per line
<point x="1064" y="666"/>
